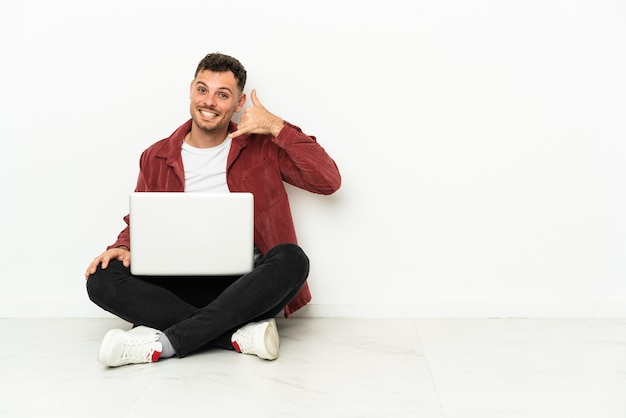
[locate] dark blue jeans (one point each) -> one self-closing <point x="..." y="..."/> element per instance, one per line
<point x="201" y="312"/>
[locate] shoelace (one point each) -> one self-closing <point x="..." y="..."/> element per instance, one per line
<point x="139" y="347"/>
<point x="244" y="342"/>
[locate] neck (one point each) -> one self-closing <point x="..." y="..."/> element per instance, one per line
<point x="201" y="139"/>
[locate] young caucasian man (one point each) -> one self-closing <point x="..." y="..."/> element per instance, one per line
<point x="210" y="153"/>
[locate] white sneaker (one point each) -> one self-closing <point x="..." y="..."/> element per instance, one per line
<point x="258" y="338"/>
<point x="139" y="345"/>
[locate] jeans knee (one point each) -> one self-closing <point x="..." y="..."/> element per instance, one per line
<point x="293" y="257"/>
<point x="97" y="288"/>
<point x="101" y="284"/>
<point x="94" y="288"/>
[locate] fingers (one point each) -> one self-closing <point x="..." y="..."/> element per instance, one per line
<point x="246" y="121"/>
<point x="236" y="133"/>
<point x="104" y="259"/>
<point x="255" y="100"/>
<point x="257" y="120"/>
<point x="101" y="259"/>
<point x="125" y="258"/>
<point x="92" y="268"/>
<point x="105" y="262"/>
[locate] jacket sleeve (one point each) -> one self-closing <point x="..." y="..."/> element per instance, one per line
<point x="123" y="239"/>
<point x="304" y="163"/>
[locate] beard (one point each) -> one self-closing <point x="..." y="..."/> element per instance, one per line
<point x="209" y="126"/>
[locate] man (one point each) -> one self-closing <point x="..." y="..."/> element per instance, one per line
<point x="210" y="153"/>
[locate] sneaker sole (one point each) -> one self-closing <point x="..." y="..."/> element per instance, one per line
<point x="271" y="341"/>
<point x="105" y="346"/>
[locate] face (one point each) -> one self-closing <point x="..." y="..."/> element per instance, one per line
<point x="215" y="98"/>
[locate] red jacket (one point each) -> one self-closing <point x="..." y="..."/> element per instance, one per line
<point x="258" y="164"/>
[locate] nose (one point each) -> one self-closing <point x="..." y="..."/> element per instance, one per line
<point x="208" y="100"/>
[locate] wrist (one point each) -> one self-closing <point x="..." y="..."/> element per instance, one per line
<point x="277" y="127"/>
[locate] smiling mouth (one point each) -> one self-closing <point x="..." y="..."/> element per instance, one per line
<point x="208" y="114"/>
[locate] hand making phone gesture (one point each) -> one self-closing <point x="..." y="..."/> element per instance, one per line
<point x="258" y="120"/>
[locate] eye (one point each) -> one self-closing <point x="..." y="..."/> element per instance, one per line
<point x="223" y="95"/>
<point x="201" y="90"/>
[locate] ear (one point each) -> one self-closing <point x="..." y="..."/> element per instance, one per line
<point x="240" y="102"/>
<point x="191" y="88"/>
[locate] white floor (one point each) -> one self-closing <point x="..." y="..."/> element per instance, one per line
<point x="483" y="368"/>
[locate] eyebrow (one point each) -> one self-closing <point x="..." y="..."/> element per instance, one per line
<point x="219" y="88"/>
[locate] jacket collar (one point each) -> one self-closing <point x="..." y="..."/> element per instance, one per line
<point x="170" y="147"/>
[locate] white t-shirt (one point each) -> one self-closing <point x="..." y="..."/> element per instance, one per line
<point x="205" y="171"/>
<point x="205" y="168"/>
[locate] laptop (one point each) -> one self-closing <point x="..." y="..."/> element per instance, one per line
<point x="191" y="234"/>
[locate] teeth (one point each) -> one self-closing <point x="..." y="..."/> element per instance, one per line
<point x="207" y="113"/>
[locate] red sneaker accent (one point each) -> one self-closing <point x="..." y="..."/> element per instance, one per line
<point x="234" y="343"/>
<point x="155" y="356"/>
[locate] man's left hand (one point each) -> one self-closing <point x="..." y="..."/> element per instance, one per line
<point x="258" y="120"/>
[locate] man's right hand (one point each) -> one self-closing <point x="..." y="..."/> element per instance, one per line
<point x="120" y="253"/>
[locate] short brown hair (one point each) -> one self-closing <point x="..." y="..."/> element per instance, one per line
<point x="218" y="62"/>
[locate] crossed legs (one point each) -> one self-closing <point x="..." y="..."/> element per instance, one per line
<point x="199" y="312"/>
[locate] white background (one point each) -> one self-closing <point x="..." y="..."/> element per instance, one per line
<point x="481" y="144"/>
